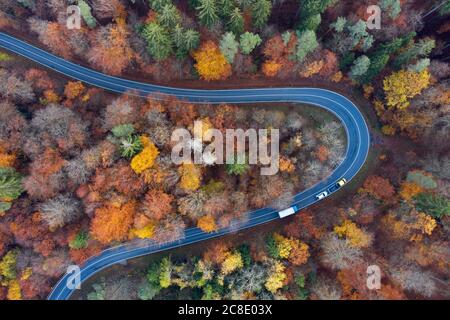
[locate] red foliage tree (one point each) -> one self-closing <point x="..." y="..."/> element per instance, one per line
<point x="379" y="188"/>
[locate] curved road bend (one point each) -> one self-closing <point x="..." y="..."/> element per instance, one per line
<point x="358" y="143"/>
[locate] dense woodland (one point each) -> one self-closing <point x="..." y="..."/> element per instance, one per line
<point x="82" y="169"/>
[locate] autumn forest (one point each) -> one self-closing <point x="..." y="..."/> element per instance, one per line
<point x="83" y="169"/>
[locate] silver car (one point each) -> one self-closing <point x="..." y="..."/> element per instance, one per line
<point x="322" y="195"/>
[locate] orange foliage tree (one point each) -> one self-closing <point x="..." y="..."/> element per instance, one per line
<point x="322" y="153"/>
<point x="299" y="253"/>
<point x="157" y="204"/>
<point x="211" y="64"/>
<point x="270" y="68"/>
<point x="277" y="53"/>
<point x="330" y="64"/>
<point x="112" y="222"/>
<point x="73" y="89"/>
<point x="217" y="252"/>
<point x="112" y="53"/>
<point x="286" y="165"/>
<point x="207" y="223"/>
<point x="409" y="190"/>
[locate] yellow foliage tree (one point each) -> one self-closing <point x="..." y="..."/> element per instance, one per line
<point x="403" y="85"/>
<point x="8" y="265"/>
<point x="425" y="223"/>
<point x="337" y="77"/>
<point x="292" y="249"/>
<point x="276" y="278"/>
<point x="312" y="68"/>
<point x="26" y="274"/>
<point x="14" y="292"/>
<point x="355" y="236"/>
<point x="211" y="63"/>
<point x="409" y="190"/>
<point x="146" y="158"/>
<point x="143" y="233"/>
<point x="286" y="165"/>
<point x="388" y="130"/>
<point x="190" y="176"/>
<point x="207" y="223"/>
<point x="284" y="245"/>
<point x="232" y="262"/>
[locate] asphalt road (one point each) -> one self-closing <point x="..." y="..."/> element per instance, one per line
<point x="358" y="143"/>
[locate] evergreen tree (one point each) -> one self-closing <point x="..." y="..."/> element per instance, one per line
<point x="380" y="57"/>
<point x="80" y="241"/>
<point x="249" y="41"/>
<point x="358" y="32"/>
<point x="10" y="183"/>
<point x="434" y="205"/>
<point x="236" y="22"/>
<point x="159" y="43"/>
<point x="391" y="6"/>
<point x="339" y="25"/>
<point x="86" y="13"/>
<point x="422" y="48"/>
<point x="130" y="146"/>
<point x="360" y="67"/>
<point x="260" y="12"/>
<point x="191" y="39"/>
<point x="123" y="130"/>
<point x="229" y="46"/>
<point x="420" y="65"/>
<point x="169" y="16"/>
<point x="309" y="9"/>
<point x="226" y="8"/>
<point x="207" y="12"/>
<point x="185" y="41"/>
<point x="238" y="167"/>
<point x="445" y="9"/>
<point x="312" y="22"/>
<point x="158" y="5"/>
<point x="306" y="43"/>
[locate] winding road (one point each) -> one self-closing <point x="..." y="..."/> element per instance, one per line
<point x="358" y="144"/>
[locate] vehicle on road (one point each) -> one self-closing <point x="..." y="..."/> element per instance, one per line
<point x="341" y="182"/>
<point x="288" y="211"/>
<point x="322" y="195"/>
<point x="337" y="185"/>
